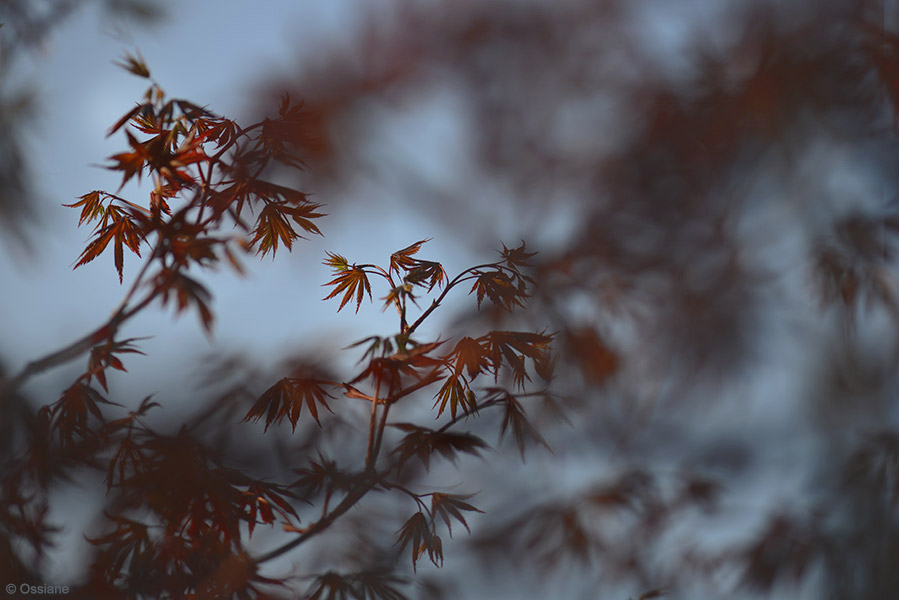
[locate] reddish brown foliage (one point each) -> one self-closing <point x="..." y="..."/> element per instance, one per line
<point x="657" y="256"/>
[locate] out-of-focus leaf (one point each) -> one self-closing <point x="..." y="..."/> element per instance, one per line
<point x="451" y="506"/>
<point x="287" y="398"/>
<point x="186" y="291"/>
<point x="423" y="443"/>
<point x="135" y="65"/>
<point x="418" y="533"/>
<point x="469" y="355"/>
<point x="515" y="419"/>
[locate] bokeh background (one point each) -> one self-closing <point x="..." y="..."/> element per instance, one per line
<point x="711" y="188"/>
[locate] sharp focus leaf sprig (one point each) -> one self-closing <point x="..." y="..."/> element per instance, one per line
<point x="207" y="174"/>
<point x="395" y="368"/>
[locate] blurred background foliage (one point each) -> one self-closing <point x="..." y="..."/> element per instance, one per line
<point x="712" y="190"/>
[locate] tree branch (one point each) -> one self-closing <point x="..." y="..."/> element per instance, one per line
<point x="73" y="350"/>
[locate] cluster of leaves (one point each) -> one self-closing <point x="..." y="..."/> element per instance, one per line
<point x="24" y="28"/>
<point x="207" y="175"/>
<point x="580" y="528"/>
<point x="193" y="514"/>
<point x="393" y="362"/>
<point x="419" y="532"/>
<point x="287" y="398"/>
<point x="396" y="368"/>
<point x="178" y="515"/>
<point x="853" y="263"/>
<point x="23" y="517"/>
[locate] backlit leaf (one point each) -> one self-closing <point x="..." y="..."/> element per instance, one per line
<point x="131" y="163"/>
<point x="336" y="262"/>
<point x="138" y="109"/>
<point x="401" y="259"/>
<point x="91" y="207"/>
<point x="127" y="461"/>
<point x="468" y="355"/>
<point x="121" y="231"/>
<point x="456" y="393"/>
<point x="271" y="227"/>
<point x="500" y="288"/>
<point x="388" y="373"/>
<point x="378" y="585"/>
<point x="349" y="281"/>
<point x="426" y="273"/>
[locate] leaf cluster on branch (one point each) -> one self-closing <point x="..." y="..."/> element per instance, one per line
<point x="179" y="514"/>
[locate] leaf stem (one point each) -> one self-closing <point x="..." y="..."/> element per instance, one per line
<point x="347" y="503"/>
<point x="373" y="478"/>
<point x="370" y="452"/>
<point x="456" y="280"/>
